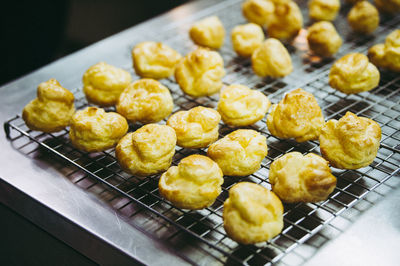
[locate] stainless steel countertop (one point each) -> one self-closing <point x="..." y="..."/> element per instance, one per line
<point x="35" y="185"/>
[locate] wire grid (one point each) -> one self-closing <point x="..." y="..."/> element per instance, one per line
<point x="199" y="233"/>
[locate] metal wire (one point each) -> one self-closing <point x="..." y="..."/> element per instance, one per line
<point x="201" y="232"/>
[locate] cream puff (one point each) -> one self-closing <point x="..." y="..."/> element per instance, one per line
<point x="351" y="142"/>
<point x="247" y="38"/>
<point x="103" y="83"/>
<point x="145" y="101"/>
<point x="298" y="178"/>
<point x="147" y="151"/>
<point x="363" y="17"/>
<point x="323" y="39"/>
<point x="208" y="32"/>
<point x="194" y="184"/>
<point x="239" y="153"/>
<point x="252" y="213"/>
<point x="195" y="128"/>
<point x="387" y="55"/>
<point x="52" y="110"/>
<point x="94" y="130"/>
<point x="323" y="9"/>
<point x="297" y="116"/>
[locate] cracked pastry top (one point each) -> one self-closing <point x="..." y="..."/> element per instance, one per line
<point x="387" y="55"/>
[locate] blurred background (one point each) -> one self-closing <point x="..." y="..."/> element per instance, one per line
<point x="35" y="33"/>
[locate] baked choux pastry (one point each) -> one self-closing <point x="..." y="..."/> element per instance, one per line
<point x="252" y="213"/>
<point x="323" y="39"/>
<point x="145" y="101"/>
<point x="258" y="11"/>
<point x="353" y="73"/>
<point x="103" y="83"/>
<point x="387" y="55"/>
<point x="363" y="17"/>
<point x="351" y="142"/>
<point x="93" y="130"/>
<point x="147" y="151"/>
<point x="297" y="116"/>
<point x="286" y="21"/>
<point x="247" y="38"/>
<point x="154" y="60"/>
<point x="241" y="106"/>
<point x="388" y="6"/>
<point x="52" y="110"/>
<point x="323" y="9"/>
<point x="196" y="128"/>
<point x="271" y="59"/>
<point x="200" y="73"/>
<point x="208" y="32"/>
<point x="239" y="153"/>
<point x="194" y="184"/>
<point x="298" y="178"/>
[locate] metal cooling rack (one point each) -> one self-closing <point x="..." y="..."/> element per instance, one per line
<point x="199" y="233"/>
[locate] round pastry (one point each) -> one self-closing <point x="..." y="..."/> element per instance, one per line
<point x="241" y="106"/>
<point x="323" y="9"/>
<point x="297" y="116"/>
<point x="147" y="151"/>
<point x="252" y="213"/>
<point x="298" y="178"/>
<point x="387" y="55"/>
<point x="351" y="142"/>
<point x="208" y="32"/>
<point x="239" y="153"/>
<point x="200" y="72"/>
<point x="247" y="38"/>
<point x="194" y="184"/>
<point x="258" y="11"/>
<point x="286" y="21"/>
<point x="52" y="110"/>
<point x="323" y="39"/>
<point x="154" y="60"/>
<point x="388" y="6"/>
<point x="92" y="129"/>
<point x="271" y="59"/>
<point x="145" y="101"/>
<point x="363" y="17"/>
<point x="353" y="73"/>
<point x="103" y="83"/>
<point x="196" y="128"/>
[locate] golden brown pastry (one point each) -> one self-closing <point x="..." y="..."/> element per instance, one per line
<point x="52" y="110"/>
<point x="200" y="72"/>
<point x="323" y="39"/>
<point x="298" y="178"/>
<point x="351" y="142"/>
<point x="363" y="17"/>
<point x="242" y="106"/>
<point x="271" y="59"/>
<point x="247" y="38"/>
<point x="145" y="101"/>
<point x="258" y="11"/>
<point x="252" y="213"/>
<point x="353" y="73"/>
<point x="239" y="153"/>
<point x="297" y="116"/>
<point x="286" y="21"/>
<point x="194" y="184"/>
<point x="103" y="83"/>
<point x="388" y="6"/>
<point x="387" y="55"/>
<point x="208" y="32"/>
<point x="147" y="151"/>
<point x="154" y="60"/>
<point x="196" y="128"/>
<point x="323" y="9"/>
<point x="92" y="129"/>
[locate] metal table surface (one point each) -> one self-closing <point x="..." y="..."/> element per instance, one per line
<point x="34" y="183"/>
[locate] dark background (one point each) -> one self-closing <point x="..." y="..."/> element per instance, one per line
<point x="34" y="33"/>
